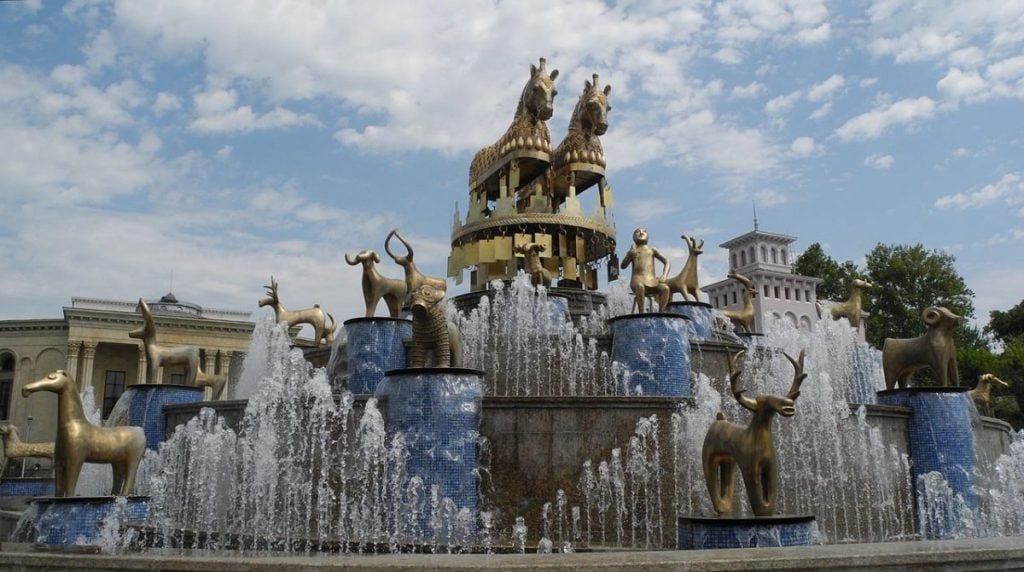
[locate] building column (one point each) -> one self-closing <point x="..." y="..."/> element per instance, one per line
<point x="142" y="365"/>
<point x="72" y="365"/>
<point x="88" y="358"/>
<point x="225" y="364"/>
<point x="209" y="369"/>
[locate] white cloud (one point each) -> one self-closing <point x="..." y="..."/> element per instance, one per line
<point x="1009" y="188"/>
<point x="224" y="153"/>
<point x="872" y="124"/>
<point x="644" y="210"/>
<point x="749" y="91"/>
<point x="868" y="82"/>
<point x="781" y="104"/>
<point x="165" y="102"/>
<point x="803" y="147"/>
<point x="826" y="89"/>
<point x="958" y="85"/>
<point x="217" y="113"/>
<point x="822" y="111"/>
<point x="880" y="162"/>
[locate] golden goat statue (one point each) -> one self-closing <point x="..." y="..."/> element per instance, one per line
<point x="158" y="356"/>
<point x="728" y="444"/>
<point x="15" y="448"/>
<point x="685" y="283"/>
<point x="901" y="357"/>
<point x="413" y="277"/>
<point x="852" y="309"/>
<point x="313" y="316"/>
<point x="982" y="393"/>
<point x="376" y="286"/>
<point x="744" y="317"/>
<point x="80" y="442"/>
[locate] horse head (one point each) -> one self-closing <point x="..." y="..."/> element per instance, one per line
<point x="538" y="98"/>
<point x="592" y="109"/>
<point x="56" y="382"/>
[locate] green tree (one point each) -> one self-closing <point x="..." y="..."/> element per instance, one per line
<point x="1008" y="325"/>
<point x="907" y="280"/>
<point x="837" y="276"/>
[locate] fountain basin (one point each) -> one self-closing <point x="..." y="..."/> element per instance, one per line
<point x="77" y="521"/>
<point x="703" y="533"/>
<point x="15" y="492"/>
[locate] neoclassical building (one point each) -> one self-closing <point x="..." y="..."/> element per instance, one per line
<point x="766" y="258"/>
<point x="91" y="343"/>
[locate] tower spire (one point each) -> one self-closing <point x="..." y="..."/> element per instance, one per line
<point x="754" y="202"/>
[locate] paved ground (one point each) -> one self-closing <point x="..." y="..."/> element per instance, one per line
<point x="981" y="554"/>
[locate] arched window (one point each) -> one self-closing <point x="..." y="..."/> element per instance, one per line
<point x="775" y="256"/>
<point x="743" y="258"/>
<point x="753" y="258"/>
<point x="6" y="384"/>
<point x="791" y="318"/>
<point x="734" y="260"/>
<point x="764" y="254"/>
<point x="805" y="323"/>
<point x="784" y="256"/>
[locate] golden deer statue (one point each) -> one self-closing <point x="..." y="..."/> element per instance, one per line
<point x="158" y="356"/>
<point x="982" y="393"/>
<point x="79" y="441"/>
<point x="752" y="448"/>
<point x="685" y="283"/>
<point x="744" y="317"/>
<point x="852" y="309"/>
<point x="376" y="286"/>
<point x="313" y="316"/>
<point x="15" y="448"/>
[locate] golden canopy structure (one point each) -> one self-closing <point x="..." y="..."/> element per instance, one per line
<point x="522" y="192"/>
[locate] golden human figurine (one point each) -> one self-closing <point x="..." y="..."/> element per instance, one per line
<point x="322" y="331"/>
<point x="643" y="282"/>
<point x="539" y="276"/>
<point x="935" y="349"/>
<point x="728" y="444"/>
<point x="79" y="441"/>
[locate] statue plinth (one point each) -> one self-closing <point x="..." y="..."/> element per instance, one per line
<point x="374" y="346"/>
<point x="142" y="405"/>
<point x="702" y="532"/>
<point x="700" y="315"/>
<point x="77" y="522"/>
<point x="651" y="354"/>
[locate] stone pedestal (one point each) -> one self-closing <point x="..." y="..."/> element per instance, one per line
<point x="701" y="320"/>
<point x="651" y="354"/>
<point x="701" y="533"/>
<point x="437" y="411"/>
<point x="374" y="346"/>
<point x="941" y="455"/>
<point x="77" y="521"/>
<point x="142" y="405"/>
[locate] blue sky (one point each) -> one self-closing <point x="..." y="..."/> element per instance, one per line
<point x="227" y="141"/>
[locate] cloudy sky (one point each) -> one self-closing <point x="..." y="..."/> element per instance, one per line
<point x="227" y="141"/>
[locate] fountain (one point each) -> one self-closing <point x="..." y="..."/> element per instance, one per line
<point x="537" y="414"/>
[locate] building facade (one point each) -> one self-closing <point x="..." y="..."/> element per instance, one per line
<point x="766" y="258"/>
<point x="91" y="343"/>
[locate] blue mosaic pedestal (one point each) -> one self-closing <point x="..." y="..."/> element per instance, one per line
<point x="374" y="346"/>
<point x="701" y="320"/>
<point x="652" y="354"/>
<point x="703" y="533"/>
<point x="15" y="492"/>
<point x="750" y="339"/>
<point x="76" y="521"/>
<point x="437" y="410"/>
<point x="142" y="405"/>
<point x="941" y="441"/>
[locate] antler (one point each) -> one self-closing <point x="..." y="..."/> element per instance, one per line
<point x="734" y="377"/>
<point x="387" y="247"/>
<point x="798" y="376"/>
<point x="272" y="288"/>
<point x="990" y="378"/>
<point x="741" y="279"/>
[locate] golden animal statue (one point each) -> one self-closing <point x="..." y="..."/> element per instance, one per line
<point x="982" y="393"/>
<point x="158" y="356"/>
<point x="852" y="309"/>
<point x="435" y="341"/>
<point x="935" y="349"/>
<point x="574" y="159"/>
<point x="744" y="317"/>
<point x="685" y="283"/>
<point x="215" y="381"/>
<point x="528" y="132"/>
<point x="413" y="277"/>
<point x="79" y="441"/>
<point x="377" y="286"/>
<point x="752" y="448"/>
<point x="15" y="448"/>
<point x="643" y="282"/>
<point x="313" y="316"/>
<point x="539" y="276"/>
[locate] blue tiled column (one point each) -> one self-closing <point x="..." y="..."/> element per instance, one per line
<point x="374" y="346"/>
<point x="941" y="440"/>
<point x="437" y="410"/>
<point x="142" y="405"/>
<point x="26" y="487"/>
<point x="699" y="313"/>
<point x="652" y="352"/>
<point x="77" y="520"/>
<point x="702" y="533"/>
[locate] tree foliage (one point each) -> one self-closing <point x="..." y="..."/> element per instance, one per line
<point x="1007" y="326"/>
<point x="837" y="276"/>
<point x="907" y="280"/>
